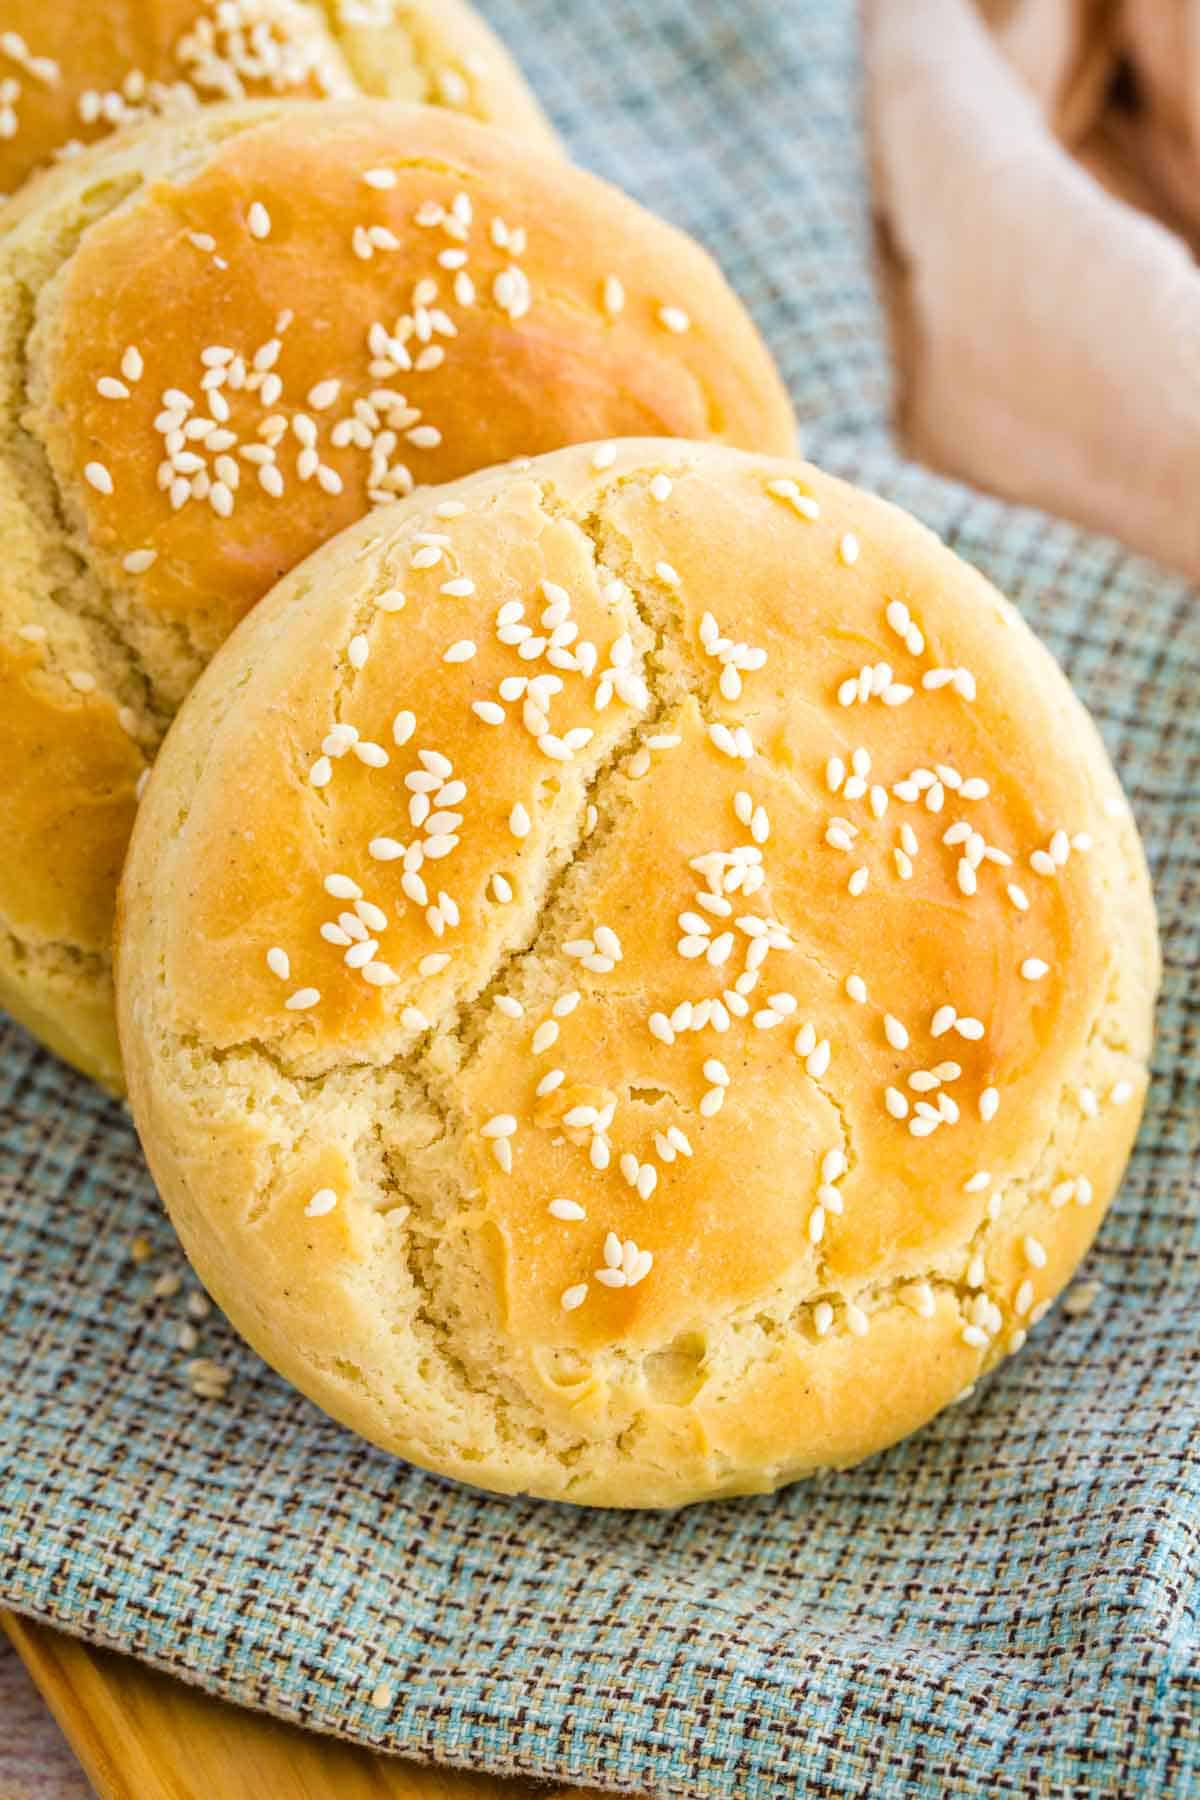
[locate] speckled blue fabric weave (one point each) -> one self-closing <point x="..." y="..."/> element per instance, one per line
<point x="1004" y="1605"/>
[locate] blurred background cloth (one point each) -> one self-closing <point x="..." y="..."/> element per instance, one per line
<point x="1038" y="173"/>
<point x="1001" y="1606"/>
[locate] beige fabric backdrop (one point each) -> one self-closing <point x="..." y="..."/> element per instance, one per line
<point x="1036" y="167"/>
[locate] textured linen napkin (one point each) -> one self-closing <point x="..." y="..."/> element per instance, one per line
<point x="1040" y="184"/>
<point x="1002" y="1605"/>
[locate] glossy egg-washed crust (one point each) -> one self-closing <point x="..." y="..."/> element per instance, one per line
<point x="148" y="245"/>
<point x="75" y="71"/>
<point x="425" y="1306"/>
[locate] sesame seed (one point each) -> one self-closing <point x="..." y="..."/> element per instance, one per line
<point x="895" y="1032"/>
<point x="322" y="1202"/>
<point x="545" y="1037"/>
<point x="989" y="1103"/>
<point x="1018" y="897"/>
<point x="975" y="1337"/>
<point x="1035" y="1252"/>
<point x="374" y="756"/>
<point x="1033" y="968"/>
<point x="381" y="178"/>
<point x="502" y="889"/>
<point x="574" y="1297"/>
<point x="519" y="822"/>
<point x="1081" y="1299"/>
<point x="660" y="487"/>
<point x="604" y="456"/>
<point x="380" y="974"/>
<point x="302" y="999"/>
<point x="460" y="652"/>
<point x="1120" y="1092"/>
<point x="501" y="1125"/>
<point x="341" y="887"/>
<point x="99" y="477"/>
<point x="488" y="711"/>
<point x="858" y="881"/>
<point x="833" y="1165"/>
<point x="279" y="962"/>
<point x="848" y="549"/>
<point x="566" y="1209"/>
<point x="612" y="295"/>
<point x="258" y="220"/>
<point x="132" y="366"/>
<point x="82" y="681"/>
<point x="358" y="650"/>
<point x="674" y="318"/>
<point x="321" y="773"/>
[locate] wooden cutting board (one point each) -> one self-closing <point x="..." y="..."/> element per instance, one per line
<point x="141" y="1735"/>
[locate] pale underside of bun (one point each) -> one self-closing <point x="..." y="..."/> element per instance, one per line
<point x="682" y="1074"/>
<point x="81" y="71"/>
<point x="364" y="297"/>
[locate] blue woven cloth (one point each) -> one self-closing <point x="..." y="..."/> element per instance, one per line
<point x="1003" y="1605"/>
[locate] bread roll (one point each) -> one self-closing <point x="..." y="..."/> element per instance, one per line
<point x="72" y="72"/>
<point x="221" y="342"/>
<point x="648" y="1003"/>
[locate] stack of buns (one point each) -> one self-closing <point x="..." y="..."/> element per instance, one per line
<point x="634" y="971"/>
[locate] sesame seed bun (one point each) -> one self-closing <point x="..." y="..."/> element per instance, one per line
<point x="528" y="1070"/>
<point x="73" y="73"/>
<point x="222" y="341"/>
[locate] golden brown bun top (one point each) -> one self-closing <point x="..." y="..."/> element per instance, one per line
<point x="364" y="297"/>
<point x="253" y="327"/>
<point x="71" y="72"/>
<point x="866" y="957"/>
